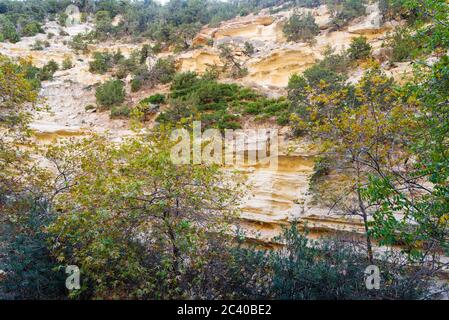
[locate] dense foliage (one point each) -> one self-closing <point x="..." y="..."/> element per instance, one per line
<point x="301" y="27"/>
<point x="24" y="254"/>
<point x="110" y="93"/>
<point x="174" y="23"/>
<point x="34" y="272"/>
<point x="324" y="270"/>
<point x="359" y="48"/>
<point x="24" y="18"/>
<point x="218" y="104"/>
<point x="384" y="145"/>
<point x="403" y="45"/>
<point x="420" y="191"/>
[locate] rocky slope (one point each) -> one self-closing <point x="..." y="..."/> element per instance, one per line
<point x="275" y="59"/>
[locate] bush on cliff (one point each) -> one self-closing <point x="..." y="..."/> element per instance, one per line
<point x="301" y="27"/>
<point x="359" y="48"/>
<point x="110" y="93"/>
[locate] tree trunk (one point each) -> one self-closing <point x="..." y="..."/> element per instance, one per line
<point x="369" y="247"/>
<point x="175" y="249"/>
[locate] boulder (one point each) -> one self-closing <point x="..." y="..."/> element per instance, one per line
<point x="322" y="17"/>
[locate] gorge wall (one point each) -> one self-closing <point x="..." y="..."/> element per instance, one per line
<point x="276" y="197"/>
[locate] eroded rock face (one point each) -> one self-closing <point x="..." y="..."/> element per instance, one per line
<point x="277" y="196"/>
<point x="276" y="68"/>
<point x="261" y="26"/>
<point x="274" y="59"/>
<point x="199" y="60"/>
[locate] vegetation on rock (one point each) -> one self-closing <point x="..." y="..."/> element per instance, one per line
<point x="110" y="93"/>
<point x="301" y="27"/>
<point x="359" y="49"/>
<point x="218" y="105"/>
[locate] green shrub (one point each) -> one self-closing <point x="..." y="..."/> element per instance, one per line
<point x="89" y="107"/>
<point x="283" y="119"/>
<point x="154" y="99"/>
<point x="157" y="48"/>
<point x="212" y="73"/>
<point x="120" y="112"/>
<point x="394" y="9"/>
<point x="238" y="73"/>
<point x="103" y="22"/>
<point x="337" y="62"/>
<point x="327" y="78"/>
<point x="145" y="52"/>
<point x="38" y="45"/>
<point x="31" y="29"/>
<point x="321" y="169"/>
<point x="48" y="70"/>
<point x="183" y="82"/>
<point x="127" y="66"/>
<point x="249" y="49"/>
<point x="32" y="74"/>
<point x="297" y="92"/>
<point x="136" y="84"/>
<point x="62" y="19"/>
<point x="404" y="46"/>
<point x="163" y="71"/>
<point x="332" y="69"/>
<point x="300" y="27"/>
<point x="344" y="11"/>
<point x="83" y="17"/>
<point x="52" y="66"/>
<point x="67" y="63"/>
<point x="320" y="73"/>
<point x="118" y="57"/>
<point x="8" y="30"/>
<point x="32" y="271"/>
<point x="218" y="104"/>
<point x="331" y="269"/>
<point x="14" y="37"/>
<point x="110" y="93"/>
<point x="121" y="72"/>
<point x="101" y="63"/>
<point x="213" y="92"/>
<point x="359" y="48"/>
<point x="78" y="43"/>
